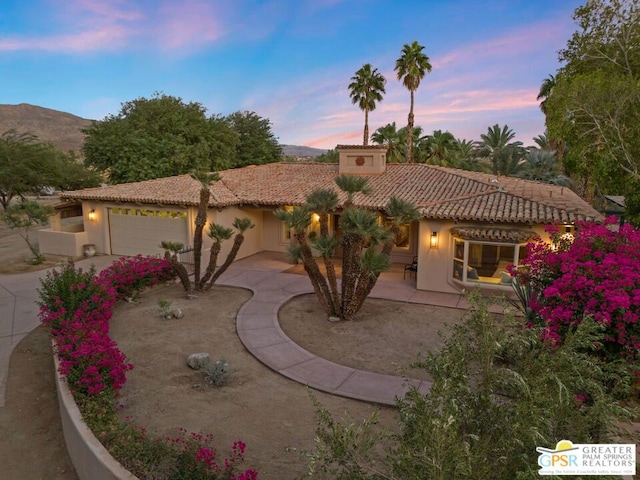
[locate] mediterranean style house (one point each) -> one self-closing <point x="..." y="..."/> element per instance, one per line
<point x="472" y="226"/>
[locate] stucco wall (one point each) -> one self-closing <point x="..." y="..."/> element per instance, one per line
<point x="252" y="238"/>
<point x="63" y="243"/>
<point x="272" y="233"/>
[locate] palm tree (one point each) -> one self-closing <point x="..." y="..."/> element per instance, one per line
<point x="218" y="234"/>
<point x="496" y="145"/>
<point x="352" y="184"/>
<point x="171" y="250"/>
<point x="418" y="153"/>
<point x="411" y="68"/>
<point x="205" y="180"/>
<point x="323" y="202"/>
<point x="241" y="225"/>
<point x="542" y="141"/>
<point x="401" y="213"/>
<point x="439" y="146"/>
<point x="366" y="88"/>
<point x="388" y="135"/>
<point x="542" y="166"/>
<point x="548" y="84"/>
<point x="298" y="219"/>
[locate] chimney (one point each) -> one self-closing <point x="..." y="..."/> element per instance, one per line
<point x="362" y="160"/>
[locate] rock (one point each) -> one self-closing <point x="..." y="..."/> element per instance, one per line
<point x="198" y="360"/>
<point x="177" y="313"/>
<point x="334" y="319"/>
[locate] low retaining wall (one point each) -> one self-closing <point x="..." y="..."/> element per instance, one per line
<point x="89" y="457"/>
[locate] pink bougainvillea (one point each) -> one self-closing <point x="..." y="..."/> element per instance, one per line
<point x="597" y="274"/>
<point x="77" y="306"/>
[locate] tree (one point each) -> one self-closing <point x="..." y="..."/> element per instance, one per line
<point x="464" y="155"/>
<point x="241" y="225"/>
<point x="418" y="145"/>
<point x="171" y="251"/>
<point x="24" y="216"/>
<point x="330" y="156"/>
<point x="365" y="242"/>
<point x="205" y="180"/>
<point x="411" y="68"/>
<point x="542" y="166"/>
<point x="158" y="137"/>
<point x="366" y="88"/>
<point x="504" y="155"/>
<point x="439" y="146"/>
<point x="388" y="136"/>
<point x="27" y="166"/>
<point x="547" y="86"/>
<point x="595" y="103"/>
<point x="256" y="143"/>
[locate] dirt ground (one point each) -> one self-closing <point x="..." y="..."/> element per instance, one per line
<point x="163" y="394"/>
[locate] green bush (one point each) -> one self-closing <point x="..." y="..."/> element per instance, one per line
<point x="498" y="392"/>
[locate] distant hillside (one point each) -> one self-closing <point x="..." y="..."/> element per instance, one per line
<point x="59" y="128"/>
<point x="300" y="151"/>
<point x="63" y="129"/>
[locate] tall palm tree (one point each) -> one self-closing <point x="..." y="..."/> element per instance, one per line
<point x="546" y="90"/>
<point x="548" y="84"/>
<point x="366" y="88"/>
<point x="411" y="68"/>
<point x="496" y="145"/>
<point x="388" y="135"/>
<point x="418" y="145"/>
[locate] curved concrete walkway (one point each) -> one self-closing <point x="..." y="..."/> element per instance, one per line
<point x="258" y="328"/>
<point x="257" y="324"/>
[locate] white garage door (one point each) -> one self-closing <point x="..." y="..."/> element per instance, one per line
<point x="138" y="230"/>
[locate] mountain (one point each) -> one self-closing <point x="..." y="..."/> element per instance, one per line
<point x="300" y="151"/>
<point x="52" y="126"/>
<point x="64" y="129"/>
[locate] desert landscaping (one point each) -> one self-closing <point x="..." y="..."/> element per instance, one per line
<point x="272" y="414"/>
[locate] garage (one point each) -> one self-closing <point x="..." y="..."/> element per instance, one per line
<point x="140" y="231"/>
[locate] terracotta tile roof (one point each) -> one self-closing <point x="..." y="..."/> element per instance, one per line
<point x="439" y="193"/>
<point x="509" y="235"/>
<point x="179" y="190"/>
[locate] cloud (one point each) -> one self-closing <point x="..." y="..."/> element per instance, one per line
<point x="189" y="24"/>
<point x="100" y="25"/>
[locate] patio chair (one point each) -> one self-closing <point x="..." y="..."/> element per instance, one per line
<point x="412" y="268"/>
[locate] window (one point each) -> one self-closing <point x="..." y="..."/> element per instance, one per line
<point x="138" y="212"/>
<point x="403" y="239"/>
<point x="485" y="262"/>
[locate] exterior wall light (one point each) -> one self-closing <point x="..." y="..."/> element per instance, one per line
<point x="92" y="215"/>
<point x="316" y="218"/>
<point x="433" y="242"/>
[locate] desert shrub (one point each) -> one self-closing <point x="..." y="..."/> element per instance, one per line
<point x="498" y="392"/>
<point x="218" y="373"/>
